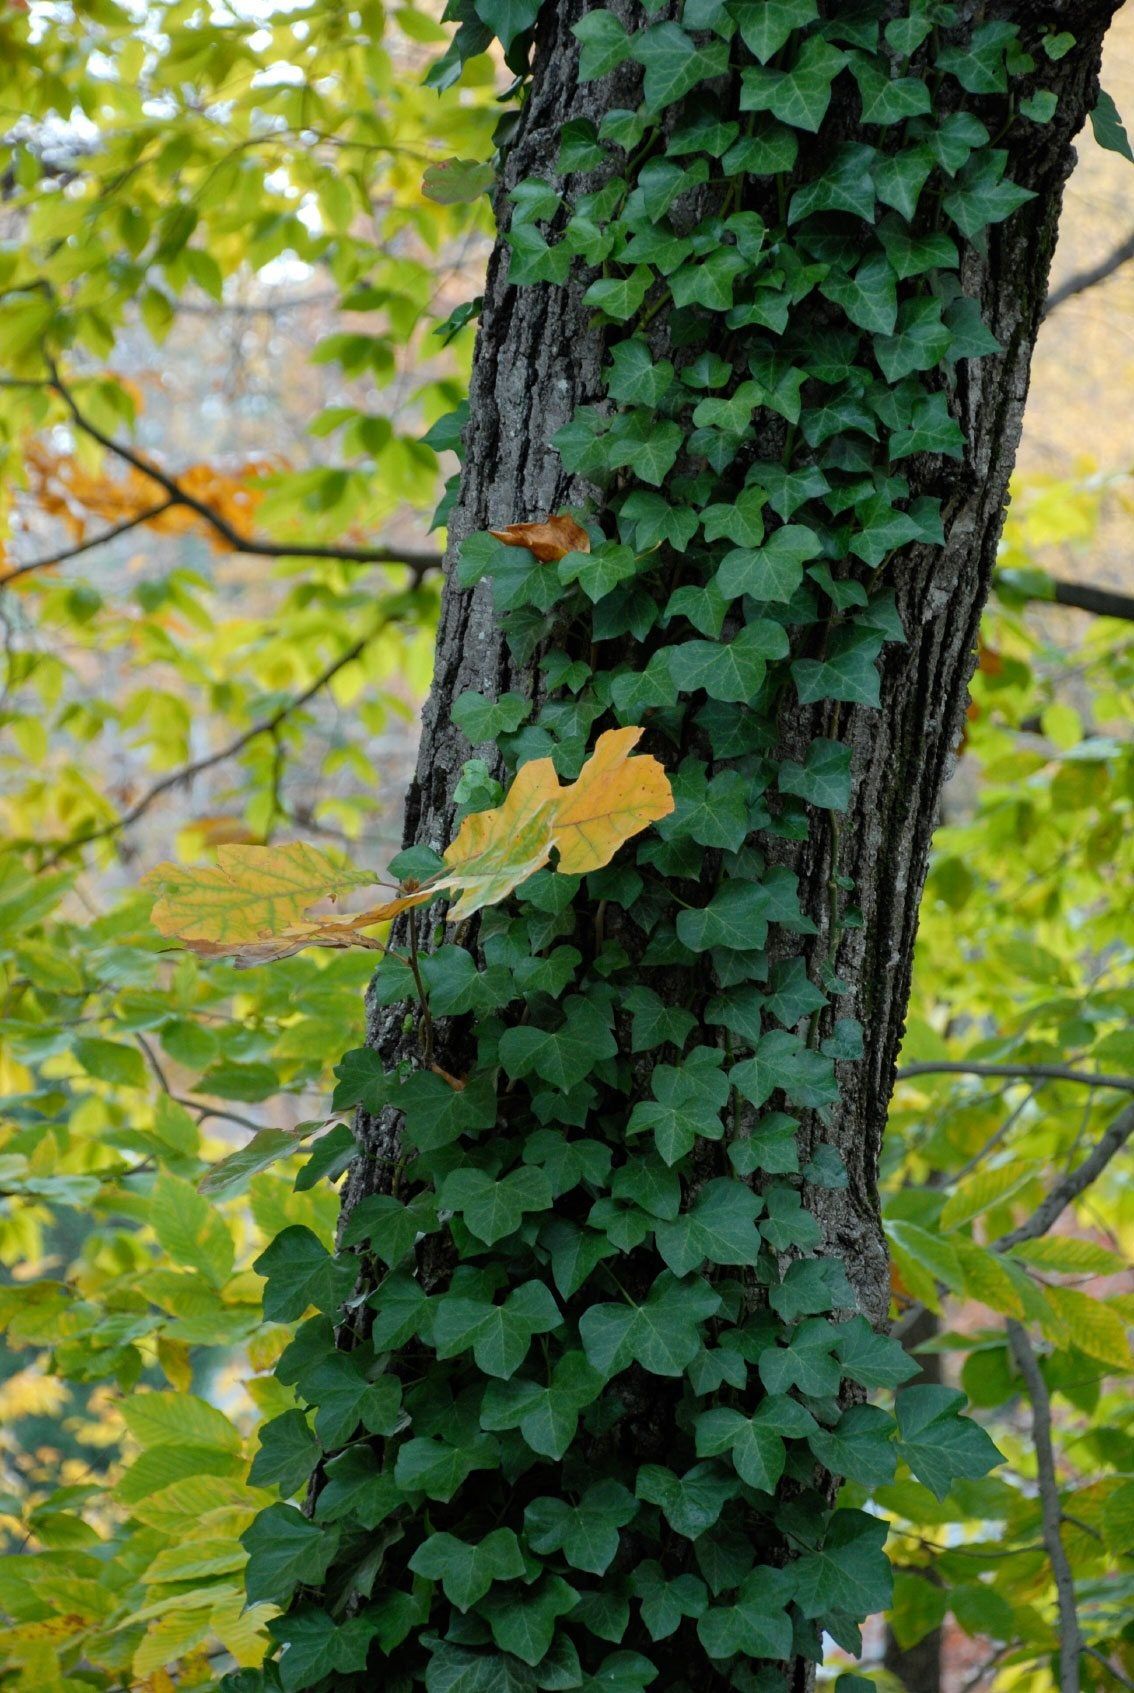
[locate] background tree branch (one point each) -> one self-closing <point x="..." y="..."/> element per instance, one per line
<point x="1070" y="1634"/>
<point x="419" y="562"/>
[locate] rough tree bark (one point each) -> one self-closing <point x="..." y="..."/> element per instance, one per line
<point x="538" y="357"/>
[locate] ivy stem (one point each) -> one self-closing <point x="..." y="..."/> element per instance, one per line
<point x="423" y="998"/>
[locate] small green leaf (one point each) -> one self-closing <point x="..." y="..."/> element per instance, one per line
<point x="455" y="182"/>
<point x="850" y="1574"/>
<point x="1109" y="129"/>
<point x="523" y="1621"/>
<point x="765" y="25"/>
<point x="847" y="673"/>
<point x="773" y="571"/>
<point x="493" y="1209"/>
<point x="480" y="719"/>
<point x="800" y="96"/>
<point x="691" y="1503"/>
<point x="806" y="1360"/>
<point x="674" y="63"/>
<point x="586" y="1533"/>
<point x="662" y="1333"/>
<point x="285" y="1551"/>
<point x="860" y="1447"/>
<point x="547" y="1417"/>
<point x="301" y="1272"/>
<point x="757" y="1451"/>
<point x="604" y="43"/>
<point x="467" y="1572"/>
<point x="507" y="18"/>
<point x="287" y="1454"/>
<point x="937" y="1442"/>
<point x="732" y="670"/>
<point x="756" y="1624"/>
<point x="437" y="1469"/>
<point x="347" y="1396"/>
<point x="719" y="1227"/>
<point x="497" y="1335"/>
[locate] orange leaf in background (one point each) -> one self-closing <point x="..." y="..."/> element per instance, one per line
<point x="548" y="541"/>
<point x="989" y="661"/>
<point x="221" y="830"/>
<point x="898" y="1288"/>
<point x="65" y="489"/>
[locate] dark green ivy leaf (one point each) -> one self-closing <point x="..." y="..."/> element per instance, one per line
<point x="493" y="1209"/>
<point x="801" y="95"/>
<point x="586" y="1533"/>
<point x="765" y="25"/>
<point x="848" y="672"/>
<point x="662" y="1333"/>
<point x="287" y="1454"/>
<point x="824" y="777"/>
<point x="285" y="1551"/>
<point x="674" y="64"/>
<point x="301" y="1272"/>
<point x="507" y="18"/>
<point x="849" y="1574"/>
<point x="467" y="1572"/>
<point x="757" y="1623"/>
<point x="690" y="1503"/>
<point x="719" y="1227"/>
<point x="937" y="1442"/>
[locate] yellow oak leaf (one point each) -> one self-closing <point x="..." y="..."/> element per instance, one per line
<point x="256" y="903"/>
<point x="616" y="796"/>
<point x="548" y="541"/>
<point x="251" y="892"/>
<point x="586" y="821"/>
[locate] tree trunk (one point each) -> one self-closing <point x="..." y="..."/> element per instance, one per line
<point x="539" y="355"/>
<point x="918" y="1667"/>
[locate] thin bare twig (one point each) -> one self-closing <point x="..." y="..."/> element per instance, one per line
<point x="1091" y="276"/>
<point x="1102" y="602"/>
<point x="206" y="1111"/>
<point x="1109" y="1146"/>
<point x="1025" y="1072"/>
<point x="102" y="540"/>
<point x="266" y="726"/>
<point x="154" y="1063"/>
<point x="1111" y="1669"/>
<point x="1070" y="1635"/>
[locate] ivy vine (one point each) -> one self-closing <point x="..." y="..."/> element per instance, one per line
<point x="577" y="1428"/>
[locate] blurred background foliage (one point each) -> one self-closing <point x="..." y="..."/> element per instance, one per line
<point x="233" y="323"/>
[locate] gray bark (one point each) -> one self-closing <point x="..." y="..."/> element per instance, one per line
<point x="538" y="357"/>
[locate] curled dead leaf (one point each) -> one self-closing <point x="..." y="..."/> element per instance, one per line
<point x="548" y="541"/>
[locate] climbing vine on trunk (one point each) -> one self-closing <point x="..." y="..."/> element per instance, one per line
<point x="596" y="1345"/>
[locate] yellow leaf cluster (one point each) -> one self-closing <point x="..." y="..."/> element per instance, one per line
<point x="256" y="903"/>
